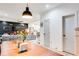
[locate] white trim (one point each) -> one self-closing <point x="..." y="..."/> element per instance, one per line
<point x="76" y="24"/>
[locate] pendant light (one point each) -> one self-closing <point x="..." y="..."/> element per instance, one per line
<point x="27" y="14"/>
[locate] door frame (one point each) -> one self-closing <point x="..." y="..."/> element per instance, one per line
<point x="49" y="32"/>
<point x="76" y="24"/>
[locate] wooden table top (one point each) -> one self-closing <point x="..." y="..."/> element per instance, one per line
<point x="9" y="48"/>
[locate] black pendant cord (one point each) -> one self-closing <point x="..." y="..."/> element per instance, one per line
<point x="27" y="8"/>
<point x="27" y="4"/>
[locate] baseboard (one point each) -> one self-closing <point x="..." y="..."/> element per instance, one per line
<point x="60" y="52"/>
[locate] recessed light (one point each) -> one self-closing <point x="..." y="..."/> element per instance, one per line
<point x="47" y="6"/>
<point x="6" y="14"/>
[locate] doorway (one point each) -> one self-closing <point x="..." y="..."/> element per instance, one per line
<point x="69" y="34"/>
<point x="46" y="33"/>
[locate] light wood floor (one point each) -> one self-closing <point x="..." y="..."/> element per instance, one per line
<point x="9" y="48"/>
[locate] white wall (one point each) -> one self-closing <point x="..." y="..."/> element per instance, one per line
<point x="55" y="18"/>
<point x="35" y="25"/>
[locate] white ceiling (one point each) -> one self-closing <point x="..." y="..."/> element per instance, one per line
<point x="13" y="11"/>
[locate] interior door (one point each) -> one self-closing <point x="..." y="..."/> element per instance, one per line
<point x="69" y="34"/>
<point x="46" y="33"/>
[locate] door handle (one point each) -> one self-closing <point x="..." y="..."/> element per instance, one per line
<point x="64" y="35"/>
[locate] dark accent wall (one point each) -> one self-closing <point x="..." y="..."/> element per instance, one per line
<point x="1" y="28"/>
<point x="11" y="26"/>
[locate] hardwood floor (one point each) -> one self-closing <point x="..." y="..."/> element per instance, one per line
<point x="9" y="48"/>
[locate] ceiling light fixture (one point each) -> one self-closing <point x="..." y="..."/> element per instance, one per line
<point x="47" y="6"/>
<point x="27" y="14"/>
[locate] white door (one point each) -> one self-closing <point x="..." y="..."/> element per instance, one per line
<point x="46" y="33"/>
<point x="69" y="34"/>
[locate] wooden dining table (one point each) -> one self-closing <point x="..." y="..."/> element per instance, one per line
<point x="10" y="48"/>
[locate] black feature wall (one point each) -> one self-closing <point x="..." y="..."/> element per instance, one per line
<point x="11" y="26"/>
